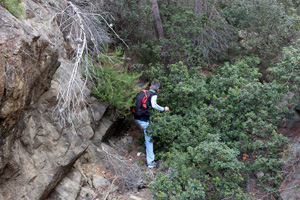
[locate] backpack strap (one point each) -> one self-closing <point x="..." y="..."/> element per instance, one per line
<point x="145" y="99"/>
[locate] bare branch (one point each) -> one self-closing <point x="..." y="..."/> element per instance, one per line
<point x="129" y="174"/>
<point x="85" y="33"/>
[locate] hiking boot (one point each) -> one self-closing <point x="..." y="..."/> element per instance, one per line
<point x="152" y="165"/>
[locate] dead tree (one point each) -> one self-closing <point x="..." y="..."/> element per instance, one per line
<point x="216" y="35"/>
<point x="85" y="28"/>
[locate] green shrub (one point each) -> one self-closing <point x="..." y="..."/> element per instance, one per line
<point x="13" y="6"/>
<point x="264" y="25"/>
<point x="208" y="171"/>
<point x="114" y="83"/>
<point x="287" y="71"/>
<point x="195" y="38"/>
<point x="180" y="89"/>
<point x="213" y="121"/>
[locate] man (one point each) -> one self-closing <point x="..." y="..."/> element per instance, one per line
<point x="143" y="121"/>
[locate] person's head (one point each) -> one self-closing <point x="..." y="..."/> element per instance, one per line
<point x="155" y="86"/>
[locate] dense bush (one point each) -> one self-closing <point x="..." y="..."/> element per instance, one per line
<point x="210" y="170"/>
<point x="114" y="83"/>
<point x="214" y="121"/>
<point x="217" y="32"/>
<point x="287" y="70"/>
<point x="264" y="26"/>
<point x="134" y="23"/>
<point x="189" y="37"/>
<point x="222" y="127"/>
<point x="195" y="37"/>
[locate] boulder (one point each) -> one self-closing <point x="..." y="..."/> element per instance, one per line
<point x="98" y="109"/>
<point x="99" y="181"/>
<point x="69" y="187"/>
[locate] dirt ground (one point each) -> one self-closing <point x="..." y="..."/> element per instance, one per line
<point x="128" y="154"/>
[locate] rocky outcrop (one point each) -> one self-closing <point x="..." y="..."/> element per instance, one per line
<point x="29" y="53"/>
<point x="45" y="152"/>
<point x="37" y="155"/>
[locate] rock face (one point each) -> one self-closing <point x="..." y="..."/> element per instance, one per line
<point x="29" y="55"/>
<point x="37" y="155"/>
<point x="45" y="152"/>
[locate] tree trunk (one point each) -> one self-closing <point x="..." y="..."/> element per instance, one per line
<point x="157" y="20"/>
<point x="160" y="31"/>
<point x="198" y="7"/>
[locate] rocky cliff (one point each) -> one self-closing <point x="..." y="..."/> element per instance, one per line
<point x="36" y="152"/>
<point x="28" y="59"/>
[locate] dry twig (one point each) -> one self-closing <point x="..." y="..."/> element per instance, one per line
<point x="84" y="29"/>
<point x="129" y="174"/>
<point x="111" y="187"/>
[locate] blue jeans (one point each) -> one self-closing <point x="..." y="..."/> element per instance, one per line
<point x="148" y="143"/>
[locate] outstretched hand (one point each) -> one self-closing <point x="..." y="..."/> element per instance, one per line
<point x="167" y="108"/>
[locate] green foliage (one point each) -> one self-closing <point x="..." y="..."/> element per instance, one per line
<point x="13" y="6"/>
<point x="287" y="73"/>
<point x="208" y="171"/>
<point x="189" y="37"/>
<point x="263" y="25"/>
<point x="179" y="87"/>
<point x="114" y="83"/>
<point x="132" y="17"/>
<point x="269" y="181"/>
<point x="287" y="70"/>
<point x="140" y="163"/>
<point x="221" y="30"/>
<point x="246" y="105"/>
<point x="213" y="121"/>
<point x="134" y="23"/>
<point x="195" y="38"/>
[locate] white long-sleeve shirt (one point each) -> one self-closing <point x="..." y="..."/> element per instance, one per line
<point x="155" y="105"/>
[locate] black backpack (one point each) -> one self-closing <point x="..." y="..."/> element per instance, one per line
<point x="141" y="103"/>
